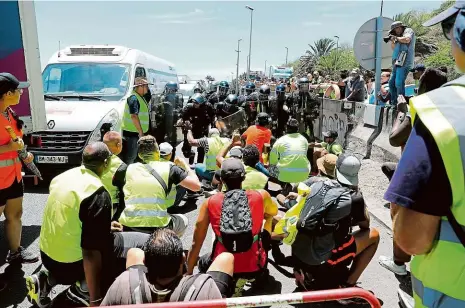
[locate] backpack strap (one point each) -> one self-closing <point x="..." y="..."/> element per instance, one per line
<point x="137" y="286"/>
<point x="157" y="176"/>
<point x="192" y="287"/>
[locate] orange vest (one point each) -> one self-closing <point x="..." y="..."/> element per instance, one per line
<point x="10" y="164"/>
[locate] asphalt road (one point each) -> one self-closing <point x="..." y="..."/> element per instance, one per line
<point x="383" y="283"/>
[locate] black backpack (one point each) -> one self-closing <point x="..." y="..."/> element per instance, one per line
<point x="325" y="208"/>
<point x="236" y="222"/>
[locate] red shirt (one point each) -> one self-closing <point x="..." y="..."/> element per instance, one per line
<point x="257" y="135"/>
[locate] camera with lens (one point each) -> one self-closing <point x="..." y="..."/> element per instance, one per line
<point x="387" y="38"/>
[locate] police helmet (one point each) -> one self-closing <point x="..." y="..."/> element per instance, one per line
<point x="293" y="123"/>
<point x="223" y="87"/>
<point x="214" y="86"/>
<point x="330" y="134"/>
<point x="265" y="90"/>
<point x="249" y="87"/>
<point x="232" y="99"/>
<point x="303" y="84"/>
<point x="263" y="119"/>
<point x="171" y="87"/>
<point x="197" y="98"/>
<point x="281" y="88"/>
<point x="197" y="89"/>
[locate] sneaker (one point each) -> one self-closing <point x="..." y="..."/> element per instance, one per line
<point x="388" y="262"/>
<point x="38" y="289"/>
<point x="79" y="294"/>
<point x="22" y="256"/>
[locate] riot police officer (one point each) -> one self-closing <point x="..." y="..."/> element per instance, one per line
<point x="304" y="106"/>
<point x="213" y="87"/>
<point x="279" y="110"/>
<point x="249" y="102"/>
<point x="167" y="115"/>
<point x="264" y="98"/>
<point x="221" y="93"/>
<point x="229" y="106"/>
<point x="200" y="114"/>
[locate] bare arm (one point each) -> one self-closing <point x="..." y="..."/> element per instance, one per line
<point x="135" y="256"/>
<point x="221" y="155"/>
<point x="200" y="232"/>
<point x="190" y="138"/>
<point x="191" y="182"/>
<point x="404" y="39"/>
<point x="271" y="210"/>
<point x="414" y="232"/>
<point x="364" y="225"/>
<point x="93" y="270"/>
<point x="400" y="131"/>
<point x="136" y="121"/>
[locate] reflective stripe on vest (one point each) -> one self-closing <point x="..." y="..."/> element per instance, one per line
<point x="60" y="234"/>
<point x="215" y="143"/>
<point x="9" y="162"/>
<point x="438" y="277"/>
<point x="146" y="203"/>
<point x="128" y="124"/>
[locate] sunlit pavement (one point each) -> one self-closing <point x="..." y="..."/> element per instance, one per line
<point x="383" y="283"/>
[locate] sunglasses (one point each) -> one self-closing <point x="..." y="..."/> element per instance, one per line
<point x="447" y="26"/>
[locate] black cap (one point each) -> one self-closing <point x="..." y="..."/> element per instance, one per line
<point x="232" y="168"/>
<point x="293" y="123"/>
<point x="418" y="68"/>
<point x="8" y="82"/>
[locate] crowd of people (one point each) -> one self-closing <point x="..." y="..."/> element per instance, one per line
<point x="110" y="229"/>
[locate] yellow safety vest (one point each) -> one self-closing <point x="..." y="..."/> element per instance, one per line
<point x="215" y="143"/>
<point x="145" y="199"/>
<point x="144" y="118"/>
<point x="254" y="179"/>
<point x="438" y="277"/>
<point x="107" y="178"/>
<point x="60" y="234"/>
<point x="288" y="159"/>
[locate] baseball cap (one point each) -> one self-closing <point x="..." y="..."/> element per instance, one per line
<point x="327" y="164"/>
<point x="418" y="68"/>
<point x="458" y="5"/>
<point x="165" y="149"/>
<point x="140" y="81"/>
<point x="9" y="82"/>
<point x="236" y="152"/>
<point x="232" y="168"/>
<point x="347" y="168"/>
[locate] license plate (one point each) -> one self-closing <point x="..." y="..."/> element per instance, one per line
<point x="52" y="159"/>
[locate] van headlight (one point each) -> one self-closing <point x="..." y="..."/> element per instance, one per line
<point x="109" y="122"/>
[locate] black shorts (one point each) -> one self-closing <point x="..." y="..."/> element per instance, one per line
<point x="16" y="190"/>
<point x="224" y="282"/>
<point x="63" y="273"/>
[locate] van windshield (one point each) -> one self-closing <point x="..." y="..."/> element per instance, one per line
<point x="106" y="80"/>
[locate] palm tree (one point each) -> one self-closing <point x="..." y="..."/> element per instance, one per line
<point x="414" y="20"/>
<point x="320" y="48"/>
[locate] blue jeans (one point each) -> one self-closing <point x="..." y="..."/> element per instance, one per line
<point x="130" y="149"/>
<point x="203" y="173"/>
<point x="397" y="82"/>
<point x="180" y="192"/>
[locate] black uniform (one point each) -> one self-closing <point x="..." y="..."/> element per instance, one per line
<point x="279" y="115"/>
<point x="305" y="108"/>
<point x="250" y="107"/>
<point x="223" y="109"/>
<point x="167" y="114"/>
<point x="215" y="98"/>
<point x="201" y="118"/>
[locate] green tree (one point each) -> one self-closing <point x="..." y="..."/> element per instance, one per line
<point x="321" y="48"/>
<point x="414" y="20"/>
<point x="337" y="60"/>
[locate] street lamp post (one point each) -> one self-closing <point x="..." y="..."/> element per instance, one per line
<point x="250" y="40"/>
<point x="287" y="51"/>
<point x="237" y="64"/>
<point x="264" y="72"/>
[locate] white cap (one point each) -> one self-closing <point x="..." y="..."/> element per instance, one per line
<point x="347" y="168"/>
<point x="165" y="149"/>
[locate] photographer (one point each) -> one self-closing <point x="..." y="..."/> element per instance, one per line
<point x="403" y="44"/>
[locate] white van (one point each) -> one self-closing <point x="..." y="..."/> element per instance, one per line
<point x="85" y="90"/>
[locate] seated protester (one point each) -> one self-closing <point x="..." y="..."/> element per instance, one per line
<point x="212" y="146"/>
<point x="166" y="151"/>
<point x="355" y="90"/>
<point x="430" y="80"/>
<point x="259" y="134"/>
<point x="334" y="252"/>
<point x="156" y="275"/>
<point x="249" y="241"/>
<point x="328" y="146"/>
<point x="114" y="177"/>
<point x="384" y="96"/>
<point x="152" y="187"/>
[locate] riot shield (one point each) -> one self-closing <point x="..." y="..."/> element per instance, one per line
<point x="235" y="122"/>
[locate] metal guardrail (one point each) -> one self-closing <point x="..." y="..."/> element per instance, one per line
<point x="276" y="299"/>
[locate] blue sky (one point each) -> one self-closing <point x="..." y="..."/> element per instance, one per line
<point x="200" y="37"/>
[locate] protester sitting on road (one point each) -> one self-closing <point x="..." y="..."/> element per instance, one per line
<point x="430" y="80"/>
<point x="248" y="241"/>
<point x="288" y="157"/>
<point x="149" y="191"/>
<point x="114" y="176"/>
<point x="75" y="234"/>
<point x="156" y="274"/>
<point x="259" y="134"/>
<point x="328" y="146"/>
<point x="212" y="146"/>
<point x="166" y="151"/>
<point x="342" y="257"/>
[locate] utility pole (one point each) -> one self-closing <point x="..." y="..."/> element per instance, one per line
<point x="250" y="40"/>
<point x="264" y="72"/>
<point x="287" y="51"/>
<point x="237" y="64"/>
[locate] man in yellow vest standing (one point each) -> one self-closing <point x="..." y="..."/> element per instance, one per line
<point x="114" y="177"/>
<point x="135" y="119"/>
<point x="150" y="189"/>
<point x="428" y="186"/>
